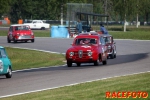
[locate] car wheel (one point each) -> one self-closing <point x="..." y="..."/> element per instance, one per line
<point x="115" y="56"/>
<point x="9" y="74"/>
<point x="112" y="55"/>
<point x="15" y="41"/>
<point x="69" y="64"/>
<point x="95" y="63"/>
<point x="42" y="28"/>
<point x="78" y="64"/>
<point x="104" y="62"/>
<point x="8" y="40"/>
<point x="32" y="40"/>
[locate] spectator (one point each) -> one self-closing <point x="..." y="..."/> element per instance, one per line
<point x="79" y="27"/>
<point x="103" y="29"/>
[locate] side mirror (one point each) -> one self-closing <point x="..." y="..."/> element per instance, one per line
<point x="114" y="42"/>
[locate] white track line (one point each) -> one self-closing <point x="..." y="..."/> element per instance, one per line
<point x="68" y="85"/>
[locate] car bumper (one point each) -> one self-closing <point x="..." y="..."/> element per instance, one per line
<point x="25" y="38"/>
<point x="82" y="60"/>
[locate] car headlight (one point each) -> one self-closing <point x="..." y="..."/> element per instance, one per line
<point x="18" y="34"/>
<point x="71" y="53"/>
<point x="89" y="53"/>
<point x="109" y="47"/>
<point x="32" y="33"/>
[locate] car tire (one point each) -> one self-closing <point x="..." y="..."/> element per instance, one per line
<point x="112" y="55"/>
<point x="95" y="63"/>
<point x="8" y="40"/>
<point x="78" y="64"/>
<point x="69" y="64"/>
<point x="32" y="40"/>
<point x="115" y="56"/>
<point x="15" y="41"/>
<point x="9" y="74"/>
<point x="42" y="28"/>
<point x="104" y="62"/>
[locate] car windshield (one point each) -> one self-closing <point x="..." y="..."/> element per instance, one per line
<point x="22" y="28"/>
<point x="83" y="41"/>
<point x="107" y="39"/>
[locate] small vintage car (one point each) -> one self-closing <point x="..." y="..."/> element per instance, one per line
<point x="5" y="63"/>
<point x="20" y="32"/>
<point x="87" y="48"/>
<point x="111" y="46"/>
<point x="38" y="24"/>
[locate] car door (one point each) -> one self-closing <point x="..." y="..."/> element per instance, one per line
<point x="4" y="61"/>
<point x="39" y="24"/>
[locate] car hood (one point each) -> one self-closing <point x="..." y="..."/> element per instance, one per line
<point x="83" y="47"/>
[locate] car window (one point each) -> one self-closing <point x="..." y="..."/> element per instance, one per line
<point x="107" y="39"/>
<point x="82" y="41"/>
<point x="102" y="41"/>
<point x="3" y="53"/>
<point x="34" y="21"/>
<point x="21" y="28"/>
<point x="10" y="29"/>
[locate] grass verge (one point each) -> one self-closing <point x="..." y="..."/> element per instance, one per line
<point x="24" y="59"/>
<point x="139" y="35"/>
<point x="93" y="90"/>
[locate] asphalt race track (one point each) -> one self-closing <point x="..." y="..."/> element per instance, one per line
<point x="133" y="56"/>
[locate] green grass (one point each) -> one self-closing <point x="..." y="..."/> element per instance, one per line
<point x="5" y="25"/>
<point x="93" y="90"/>
<point x="139" y="35"/>
<point x="3" y="32"/>
<point x="41" y="33"/>
<point x="24" y="59"/>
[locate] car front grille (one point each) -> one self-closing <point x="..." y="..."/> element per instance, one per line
<point x="25" y="37"/>
<point x="81" y="54"/>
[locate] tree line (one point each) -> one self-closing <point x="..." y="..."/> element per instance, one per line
<point x="51" y="9"/>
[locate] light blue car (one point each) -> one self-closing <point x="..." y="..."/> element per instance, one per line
<point x="5" y="63"/>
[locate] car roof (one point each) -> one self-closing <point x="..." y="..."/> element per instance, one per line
<point x="19" y="25"/>
<point x="82" y="35"/>
<point x="90" y="34"/>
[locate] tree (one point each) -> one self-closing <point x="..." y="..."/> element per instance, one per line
<point x="4" y="7"/>
<point x="144" y="8"/>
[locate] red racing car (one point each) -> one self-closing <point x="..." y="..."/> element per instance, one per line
<point x="87" y="48"/>
<point x="111" y="46"/>
<point x="20" y="32"/>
